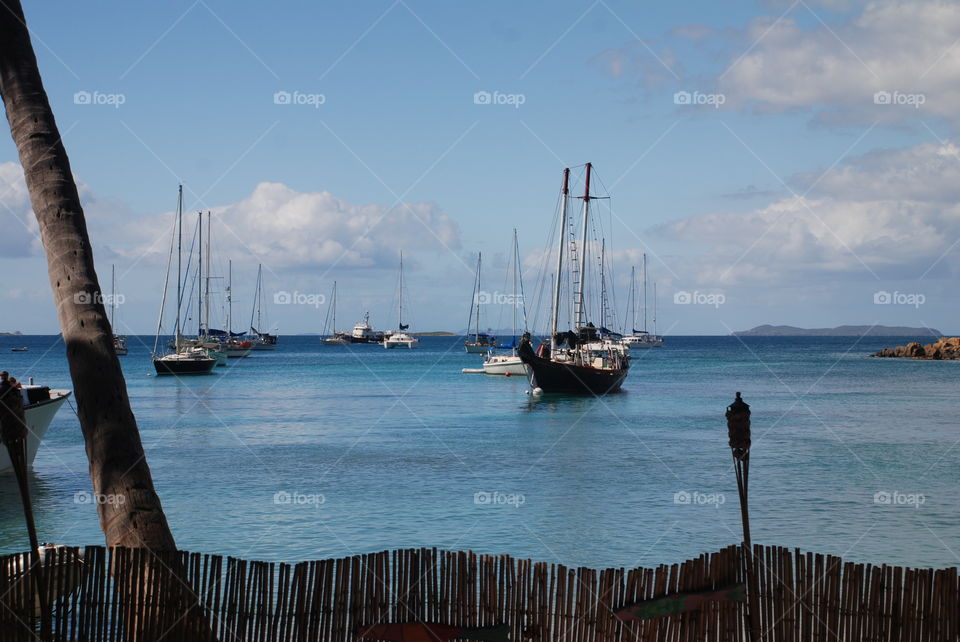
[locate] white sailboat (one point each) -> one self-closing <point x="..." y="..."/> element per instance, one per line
<point x="334" y="338"/>
<point x="477" y="342"/>
<point x="641" y="339"/>
<point x="261" y="340"/>
<point x="233" y="347"/>
<point x="509" y="363"/>
<point x="400" y="339"/>
<point x="186" y="359"/>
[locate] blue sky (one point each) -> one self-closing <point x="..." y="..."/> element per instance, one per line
<point x="800" y="198"/>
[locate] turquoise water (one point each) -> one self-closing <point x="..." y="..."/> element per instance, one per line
<point x="381" y="449"/>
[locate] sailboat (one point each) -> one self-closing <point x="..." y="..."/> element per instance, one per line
<point x="235" y="348"/>
<point x="510" y="363"/>
<point x="400" y="338"/>
<point x="203" y="298"/>
<point x="480" y="341"/>
<point x="261" y="340"/>
<point x="576" y="361"/>
<point x="185" y="359"/>
<point x="641" y="339"/>
<point x="334" y="338"/>
<point x="119" y="341"/>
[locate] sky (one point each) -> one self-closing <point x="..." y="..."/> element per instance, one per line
<point x="778" y="162"/>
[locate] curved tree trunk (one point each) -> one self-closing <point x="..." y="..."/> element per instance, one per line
<point x="118" y="465"/>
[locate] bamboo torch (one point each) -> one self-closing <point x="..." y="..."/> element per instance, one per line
<point x="738" y="432"/>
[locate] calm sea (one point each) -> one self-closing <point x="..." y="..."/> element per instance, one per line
<point x="311" y="452"/>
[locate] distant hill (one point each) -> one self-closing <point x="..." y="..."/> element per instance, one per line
<point x="434" y="334"/>
<point x="839" y="331"/>
<point x="10" y="334"/>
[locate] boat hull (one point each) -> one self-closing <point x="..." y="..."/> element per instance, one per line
<point x="475" y="348"/>
<point x="181" y="367"/>
<point x="551" y="376"/>
<point x="38" y="416"/>
<point x="505" y="366"/>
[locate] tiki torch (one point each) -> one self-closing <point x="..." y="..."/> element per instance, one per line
<point x="738" y="432"/>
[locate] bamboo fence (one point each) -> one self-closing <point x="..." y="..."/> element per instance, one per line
<point x="98" y="594"/>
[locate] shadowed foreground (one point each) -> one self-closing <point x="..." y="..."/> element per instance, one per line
<point x="431" y="595"/>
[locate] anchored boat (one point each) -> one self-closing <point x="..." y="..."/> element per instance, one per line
<point x="40" y="405"/>
<point x="578" y="361"/>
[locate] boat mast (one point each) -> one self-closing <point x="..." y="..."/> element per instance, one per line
<point x="633" y="299"/>
<point x="113" y="294"/>
<point x="206" y="299"/>
<point x="644" y="292"/>
<point x="581" y="312"/>
<point x="564" y="194"/>
<point x="603" y="284"/>
<point x="200" y="275"/>
<point x="654" y="308"/>
<point x="516" y="256"/>
<point x="176" y="340"/>
<point x="401" y="292"/>
<point x="334" y="329"/>
<point x="230" y="299"/>
<point x="260" y="296"/>
<point x="476" y="334"/>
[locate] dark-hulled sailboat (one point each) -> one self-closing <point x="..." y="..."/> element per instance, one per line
<point x="578" y="361"/>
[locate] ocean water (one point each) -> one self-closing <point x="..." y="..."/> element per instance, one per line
<point x="311" y="452"/>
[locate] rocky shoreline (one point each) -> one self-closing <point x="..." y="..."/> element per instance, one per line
<point x="945" y="348"/>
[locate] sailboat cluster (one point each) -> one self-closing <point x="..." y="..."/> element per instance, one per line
<point x="585" y="358"/>
<point x="210" y="347"/>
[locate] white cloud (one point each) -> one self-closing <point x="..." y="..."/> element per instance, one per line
<point x="907" y="47"/>
<point x="890" y="214"/>
<point x="20" y="231"/>
<point x="283" y="228"/>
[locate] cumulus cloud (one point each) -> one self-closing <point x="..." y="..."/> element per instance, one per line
<point x="880" y="215"/>
<point x="876" y="66"/>
<point x="20" y="235"/>
<point x="284" y="228"/>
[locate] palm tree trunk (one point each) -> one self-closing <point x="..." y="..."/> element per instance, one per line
<point x="117" y="463"/>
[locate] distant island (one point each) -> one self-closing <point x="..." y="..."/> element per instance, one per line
<point x="839" y="331"/>
<point x="11" y="334"/>
<point x="434" y="334"/>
